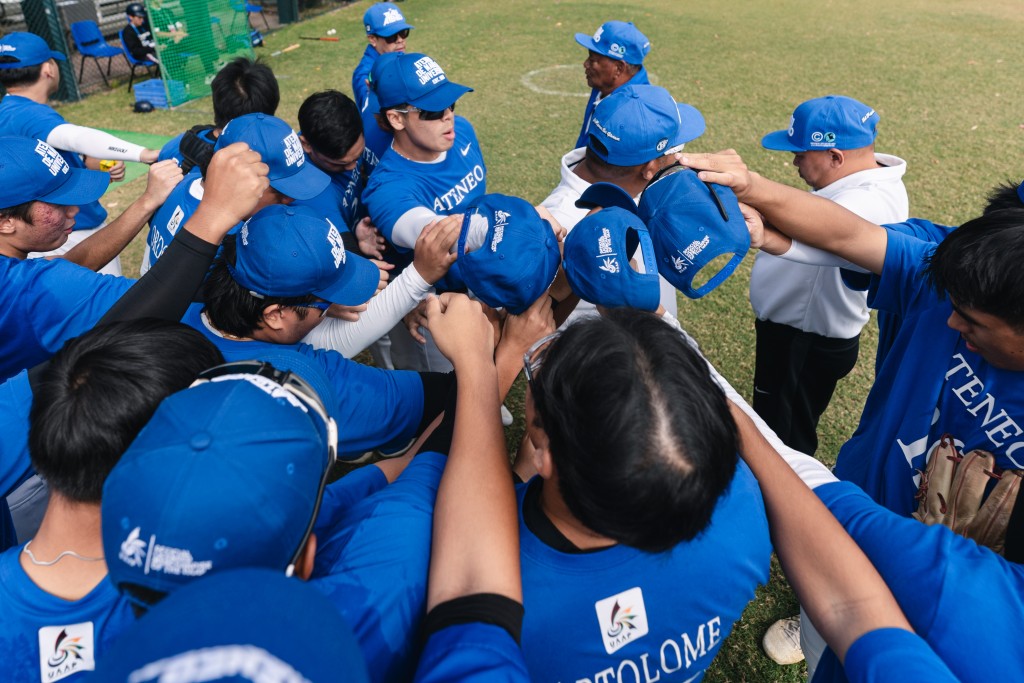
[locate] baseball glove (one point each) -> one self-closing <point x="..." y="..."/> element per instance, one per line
<point x="953" y="493"/>
<point x="195" y="150"/>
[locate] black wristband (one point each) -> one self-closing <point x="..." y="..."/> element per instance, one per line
<point x="487" y="608"/>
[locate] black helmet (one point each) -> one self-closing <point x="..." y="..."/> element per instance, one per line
<point x="143" y="107"/>
<point x="135" y="9"/>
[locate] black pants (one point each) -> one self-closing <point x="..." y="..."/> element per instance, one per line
<point x="794" y="377"/>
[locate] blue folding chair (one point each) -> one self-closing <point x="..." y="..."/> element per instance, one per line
<point x="132" y="62"/>
<point x="250" y="9"/>
<point x="90" y="43"/>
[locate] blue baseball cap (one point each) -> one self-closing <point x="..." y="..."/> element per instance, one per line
<point x="830" y="122"/>
<point x="518" y="259"/>
<point x="280" y="149"/>
<point x="618" y="40"/>
<point x="385" y="19"/>
<point x="287" y="251"/>
<point x="692" y="223"/>
<point x="226" y="474"/>
<point x="413" y="78"/>
<point x="31" y="170"/>
<point x="28" y="48"/>
<point x="227" y="626"/>
<point x="639" y="123"/>
<point x="606" y="195"/>
<point x="596" y="260"/>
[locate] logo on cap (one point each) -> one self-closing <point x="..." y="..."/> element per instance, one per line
<point x="687" y="255"/>
<point x="816" y="136"/>
<point x="51" y="158"/>
<point x="133" y="549"/>
<point x="7" y="48"/>
<point x="662" y="144"/>
<point x="597" y="35"/>
<point x="337" y="246"/>
<point x="597" y="124"/>
<point x="161" y="558"/>
<point x="293" y="154"/>
<point x="792" y="122"/>
<point x="867" y="116"/>
<point x="427" y="70"/>
<point x="618" y="49"/>
<point x="392" y="15"/>
<point x="500" y="221"/>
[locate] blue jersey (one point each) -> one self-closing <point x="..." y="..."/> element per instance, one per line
<point x="21" y="116"/>
<point x="373" y="407"/>
<point x="623" y="614"/>
<point x="47" y="302"/>
<point x="377" y="139"/>
<point x="927" y="370"/>
<point x="885" y="655"/>
<point x="471" y="652"/>
<point x="342" y="495"/>
<point x="15" y="404"/>
<point x="444" y="187"/>
<point x="46" y="638"/>
<point x="361" y="74"/>
<point x="374" y="566"/>
<point x="175" y="212"/>
<point x="639" y="78"/>
<point x="339" y="202"/>
<point x="946" y="585"/>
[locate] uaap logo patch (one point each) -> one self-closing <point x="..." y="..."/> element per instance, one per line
<point x="622" y="619"/>
<point x="66" y="650"/>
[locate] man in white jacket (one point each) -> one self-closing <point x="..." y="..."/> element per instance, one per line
<point x="808" y="322"/>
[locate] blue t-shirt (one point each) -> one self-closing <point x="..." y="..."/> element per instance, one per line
<point x="377" y="139"/>
<point x="361" y="74"/>
<point x="15" y="404"/>
<point x="639" y="78"/>
<point x="46" y="638"/>
<point x="471" y="652"/>
<point x="21" y="116"/>
<point x="175" y="212"/>
<point x="47" y="302"/>
<point x="624" y="614"/>
<point x="373" y="407"/>
<point x="885" y="655"/>
<point x="374" y="567"/>
<point x="444" y="187"/>
<point x="342" y="495"/>
<point x="964" y="600"/>
<point x="888" y="449"/>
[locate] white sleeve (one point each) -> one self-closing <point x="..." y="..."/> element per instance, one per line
<point x="93" y="143"/>
<point x="812" y="472"/>
<point x="408" y="228"/>
<point x="812" y="256"/>
<point x="383" y="312"/>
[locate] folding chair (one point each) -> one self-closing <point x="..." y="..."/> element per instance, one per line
<point x="132" y="62"/>
<point x="250" y="9"/>
<point x="90" y="43"/>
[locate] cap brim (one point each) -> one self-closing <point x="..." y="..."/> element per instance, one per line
<point x="392" y="30"/>
<point x="779" y="141"/>
<point x="588" y="42"/>
<point x="307" y="183"/>
<point x="58" y="56"/>
<point x="691" y="124"/>
<point x="441" y="98"/>
<point x="606" y="195"/>
<point x="356" y="284"/>
<point x="82" y="187"/>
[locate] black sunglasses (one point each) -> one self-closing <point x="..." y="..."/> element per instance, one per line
<point x="390" y="40"/>
<point x="428" y="115"/>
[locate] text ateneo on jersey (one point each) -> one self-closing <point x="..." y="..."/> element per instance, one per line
<point x="453" y="197"/>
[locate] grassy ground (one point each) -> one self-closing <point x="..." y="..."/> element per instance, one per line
<point x="944" y="76"/>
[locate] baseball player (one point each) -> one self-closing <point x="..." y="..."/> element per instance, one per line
<point x="386" y="32"/>
<point x="808" y="322"/>
<point x="615" y="57"/>
<point x="29" y="73"/>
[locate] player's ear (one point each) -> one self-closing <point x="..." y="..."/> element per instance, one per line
<point x="837" y="157"/>
<point x="395" y="119"/>
<point x="304" y="565"/>
<point x="306" y="147"/>
<point x="7" y="225"/>
<point x="651" y="168"/>
<point x="273" y="317"/>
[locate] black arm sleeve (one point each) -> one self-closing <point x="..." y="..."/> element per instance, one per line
<point x="168" y="288"/>
<point x="487" y="608"/>
<point x="440" y="392"/>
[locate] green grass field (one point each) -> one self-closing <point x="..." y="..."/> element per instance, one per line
<point x="944" y="76"/>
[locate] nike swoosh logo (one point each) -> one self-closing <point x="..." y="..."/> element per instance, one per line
<point x="761" y="391"/>
<point x="465" y="150"/>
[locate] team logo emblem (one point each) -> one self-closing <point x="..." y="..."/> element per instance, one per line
<point x="622" y="619"/>
<point x="391" y="16"/>
<point x="830" y="137"/>
<point x="617" y="49"/>
<point x="610" y="265"/>
<point x="337" y="246"/>
<point x="51" y="158"/>
<point x="428" y="71"/>
<point x="867" y="116"/>
<point x="133" y="549"/>
<point x="792" y="122"/>
<point x="65" y="650"/>
<point x="597" y="35"/>
<point x="662" y="144"/>
<point x="817" y="136"/>
<point x="500" y="221"/>
<point x="293" y="154"/>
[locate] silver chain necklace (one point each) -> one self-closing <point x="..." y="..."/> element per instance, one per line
<point x="66" y="553"/>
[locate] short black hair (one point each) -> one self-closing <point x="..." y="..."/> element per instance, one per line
<point x="100" y="390"/>
<point x="243" y="87"/>
<point x="21" y="211"/>
<point x="330" y="122"/>
<point x="604" y="169"/>
<point x="232" y="308"/>
<point x="640" y="434"/>
<point x="14" y="78"/>
<point x="978" y="265"/>
<point x="1004" y="196"/>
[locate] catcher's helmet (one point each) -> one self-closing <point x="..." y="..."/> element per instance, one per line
<point x="135" y="9"/>
<point x="143" y="107"/>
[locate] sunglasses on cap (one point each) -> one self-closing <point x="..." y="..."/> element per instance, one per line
<point x="322" y="306"/>
<point x="427" y="115"/>
<point x="307" y="399"/>
<point x="392" y="39"/>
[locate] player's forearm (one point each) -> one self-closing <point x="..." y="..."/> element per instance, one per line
<point x="95" y="143"/>
<point x="105" y="244"/>
<point x="476" y="544"/>
<point x="835" y="582"/>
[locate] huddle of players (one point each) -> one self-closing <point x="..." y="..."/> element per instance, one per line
<point x="366" y="543"/>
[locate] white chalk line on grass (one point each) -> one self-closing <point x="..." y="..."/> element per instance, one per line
<point x="527" y="81"/>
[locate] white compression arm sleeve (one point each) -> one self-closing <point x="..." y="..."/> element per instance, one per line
<point x="93" y="143"/>
<point x="408" y="228"/>
<point x="812" y="472"/>
<point x="383" y="312"/>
